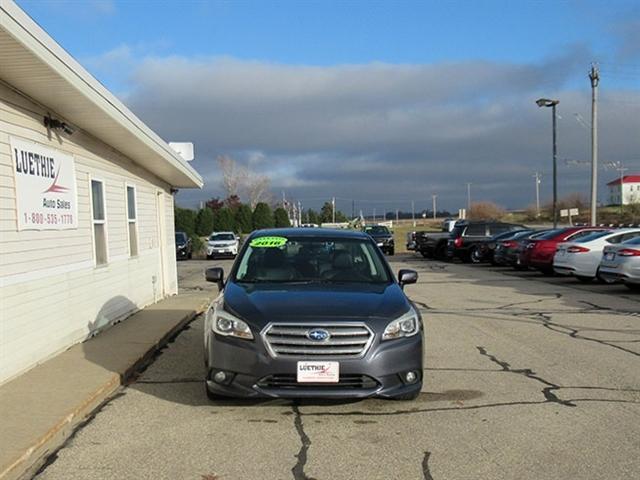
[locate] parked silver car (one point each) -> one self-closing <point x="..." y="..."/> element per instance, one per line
<point x="622" y="263"/>
<point x="222" y="244"/>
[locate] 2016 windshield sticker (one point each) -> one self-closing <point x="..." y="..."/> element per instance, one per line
<point x="268" y="242"/>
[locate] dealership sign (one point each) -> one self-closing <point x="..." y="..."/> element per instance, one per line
<point x="46" y="194"/>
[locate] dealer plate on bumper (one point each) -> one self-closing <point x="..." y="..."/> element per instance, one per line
<point x="318" y="372"/>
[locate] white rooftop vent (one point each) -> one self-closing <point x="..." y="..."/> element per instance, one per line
<point x="184" y="149"/>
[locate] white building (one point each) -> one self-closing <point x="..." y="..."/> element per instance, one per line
<point x="629" y="193"/>
<point x="86" y="204"/>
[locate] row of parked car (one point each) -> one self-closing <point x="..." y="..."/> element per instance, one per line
<point x="586" y="253"/>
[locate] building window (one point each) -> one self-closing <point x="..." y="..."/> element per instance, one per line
<point x="131" y="221"/>
<point x="99" y="222"/>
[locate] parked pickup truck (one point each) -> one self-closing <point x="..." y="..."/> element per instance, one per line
<point x="434" y="244"/>
<point x="467" y="237"/>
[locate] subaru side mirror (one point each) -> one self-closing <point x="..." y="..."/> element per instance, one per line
<point x="215" y="275"/>
<point x="406" y="277"/>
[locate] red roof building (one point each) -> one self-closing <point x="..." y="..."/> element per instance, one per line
<point x="626" y="179"/>
<point x="625" y="190"/>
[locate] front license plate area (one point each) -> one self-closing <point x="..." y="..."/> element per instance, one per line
<point x="318" y="372"/>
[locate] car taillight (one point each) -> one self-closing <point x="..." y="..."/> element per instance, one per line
<point x="458" y="242"/>
<point x="576" y="249"/>
<point x="629" y="252"/>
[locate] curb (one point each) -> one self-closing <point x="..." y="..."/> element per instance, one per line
<point x="36" y="456"/>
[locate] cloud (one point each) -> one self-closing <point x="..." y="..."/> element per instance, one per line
<point x="628" y="35"/>
<point x="382" y="132"/>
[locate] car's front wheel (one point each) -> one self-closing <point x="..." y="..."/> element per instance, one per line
<point x="475" y="256"/>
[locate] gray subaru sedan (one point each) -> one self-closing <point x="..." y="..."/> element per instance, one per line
<point x="312" y="313"/>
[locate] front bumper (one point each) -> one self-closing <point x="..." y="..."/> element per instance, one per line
<point x="182" y="253"/>
<point x="221" y="251"/>
<point x="253" y="373"/>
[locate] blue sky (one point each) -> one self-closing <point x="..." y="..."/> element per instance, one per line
<point x="306" y="55"/>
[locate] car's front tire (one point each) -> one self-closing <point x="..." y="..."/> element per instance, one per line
<point x="475" y="256"/>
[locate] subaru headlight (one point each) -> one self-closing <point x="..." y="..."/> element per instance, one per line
<point x="405" y="326"/>
<point x="230" y="326"/>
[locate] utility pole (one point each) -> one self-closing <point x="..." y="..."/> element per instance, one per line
<point x="353" y="209"/>
<point x="433" y="198"/>
<point x="537" y="176"/>
<point x="397" y="216"/>
<point x="621" y="168"/>
<point x="299" y="213"/>
<point x="594" y="76"/>
<point x="374" y="214"/>
<point x="468" y="197"/>
<point x="413" y="212"/>
<point x="333" y="208"/>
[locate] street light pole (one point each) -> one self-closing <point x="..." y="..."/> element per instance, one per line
<point x="555" y="168"/>
<point x="545" y="102"/>
<point x="468" y="198"/>
<point x="433" y="197"/>
<point x="333" y="209"/>
<point x="594" y="76"/>
<point x="537" y="177"/>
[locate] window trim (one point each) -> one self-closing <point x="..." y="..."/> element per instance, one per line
<point x="99" y="222"/>
<point x="128" y="221"/>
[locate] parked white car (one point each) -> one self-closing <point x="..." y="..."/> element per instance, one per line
<point x="581" y="258"/>
<point x="222" y="244"/>
<point x="622" y="263"/>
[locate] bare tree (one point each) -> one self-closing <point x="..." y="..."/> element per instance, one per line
<point x="232" y="175"/>
<point x="257" y="188"/>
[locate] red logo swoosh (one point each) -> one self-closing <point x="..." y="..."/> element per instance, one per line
<point x="55" y="188"/>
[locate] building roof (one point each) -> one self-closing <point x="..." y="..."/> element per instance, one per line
<point x="33" y="63"/>
<point x="626" y="179"/>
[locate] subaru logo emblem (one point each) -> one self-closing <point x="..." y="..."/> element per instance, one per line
<point x="318" y="334"/>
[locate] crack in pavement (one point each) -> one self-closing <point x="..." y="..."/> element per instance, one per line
<point x="545" y="319"/>
<point x="298" y="469"/>
<point x="506" y="306"/>
<point x="527" y="372"/>
<point x="423" y="305"/>
<point x="426" y="473"/>
<point x="548" y="323"/>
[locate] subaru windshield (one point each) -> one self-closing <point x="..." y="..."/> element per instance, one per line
<point x="310" y="260"/>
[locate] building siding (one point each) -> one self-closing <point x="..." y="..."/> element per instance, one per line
<point x="51" y="293"/>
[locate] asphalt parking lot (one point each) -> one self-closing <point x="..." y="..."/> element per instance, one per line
<point x="526" y="377"/>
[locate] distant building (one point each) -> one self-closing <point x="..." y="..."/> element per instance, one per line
<point x="629" y="193"/>
<point x="86" y="201"/>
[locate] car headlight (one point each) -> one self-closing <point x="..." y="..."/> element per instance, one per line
<point x="229" y="326"/>
<point x="405" y="326"/>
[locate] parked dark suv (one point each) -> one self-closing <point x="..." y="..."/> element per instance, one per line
<point x="184" y="247"/>
<point x="312" y="312"/>
<point x="383" y="238"/>
<point x="467" y="236"/>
